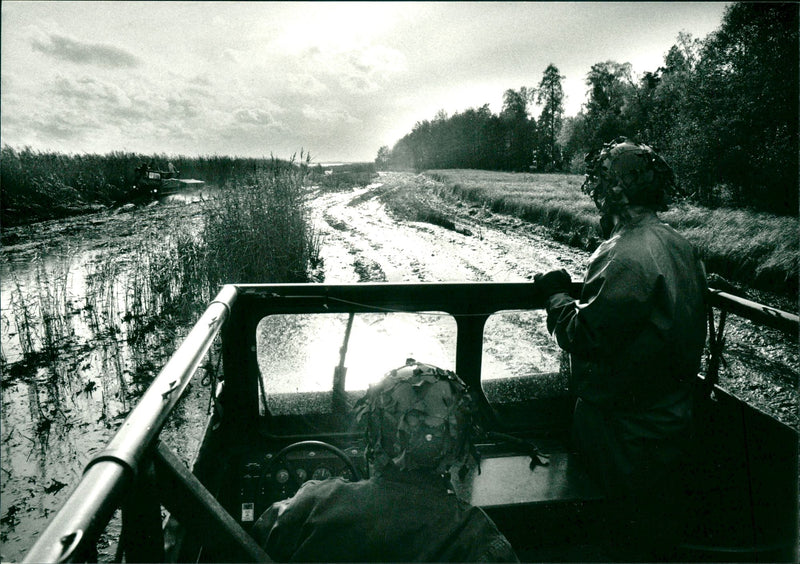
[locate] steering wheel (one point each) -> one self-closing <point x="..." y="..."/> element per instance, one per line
<point x="300" y="445"/>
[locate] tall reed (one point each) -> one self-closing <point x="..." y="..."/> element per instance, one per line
<point x="257" y="230"/>
<point x="43" y="185"/>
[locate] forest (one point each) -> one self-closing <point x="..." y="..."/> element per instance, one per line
<point x="722" y="110"/>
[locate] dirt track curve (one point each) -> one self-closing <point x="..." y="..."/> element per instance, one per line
<point x="362" y="242"/>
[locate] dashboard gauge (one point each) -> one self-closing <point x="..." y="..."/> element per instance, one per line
<point x="302" y="475"/>
<point x="346" y="474"/>
<point x="282" y="476"/>
<point x="321" y="473"/>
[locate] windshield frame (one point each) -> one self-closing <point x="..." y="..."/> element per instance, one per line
<point x="469" y="303"/>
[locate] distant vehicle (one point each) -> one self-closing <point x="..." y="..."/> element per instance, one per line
<point x="154" y="183"/>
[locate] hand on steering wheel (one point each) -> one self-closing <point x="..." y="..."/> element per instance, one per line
<point x="281" y="456"/>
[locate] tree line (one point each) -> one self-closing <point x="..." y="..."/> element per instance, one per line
<point x="722" y="110"/>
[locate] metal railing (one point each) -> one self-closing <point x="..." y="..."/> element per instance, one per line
<point x="107" y="476"/>
<point x="756" y="312"/>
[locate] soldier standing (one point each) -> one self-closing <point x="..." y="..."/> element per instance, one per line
<point x="635" y="339"/>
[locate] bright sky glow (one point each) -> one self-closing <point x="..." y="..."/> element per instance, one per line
<point x="336" y="79"/>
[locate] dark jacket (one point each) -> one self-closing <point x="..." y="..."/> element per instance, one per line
<point x="395" y="517"/>
<point x="635" y="340"/>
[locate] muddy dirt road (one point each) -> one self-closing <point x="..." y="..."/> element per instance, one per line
<point x="362" y="242"/>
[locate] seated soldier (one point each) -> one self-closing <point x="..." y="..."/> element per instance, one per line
<point x="419" y="424"/>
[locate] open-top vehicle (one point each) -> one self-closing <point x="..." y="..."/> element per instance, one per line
<point x="152" y="183"/>
<point x="296" y="356"/>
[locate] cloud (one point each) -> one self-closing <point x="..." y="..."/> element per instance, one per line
<point x="88" y="90"/>
<point x="357" y="67"/>
<point x="85" y="53"/>
<point x="64" y="125"/>
<point x="90" y="113"/>
<point x="366" y="69"/>
<point x="307" y="84"/>
<point x="363" y="69"/>
<point x="87" y="107"/>
<point x="255" y="116"/>
<point x="200" y="80"/>
<point x="181" y="107"/>
<point x="377" y="59"/>
<point x="235" y="56"/>
<point x="328" y="115"/>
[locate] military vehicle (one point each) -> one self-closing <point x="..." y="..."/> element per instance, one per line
<point x="280" y="417"/>
<point x="153" y="183"/>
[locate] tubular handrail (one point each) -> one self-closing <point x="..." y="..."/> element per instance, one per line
<point x="755" y="311"/>
<point x="109" y="474"/>
<point x="748" y="309"/>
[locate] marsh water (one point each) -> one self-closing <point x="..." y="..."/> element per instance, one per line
<point x="79" y="345"/>
<point x="76" y="355"/>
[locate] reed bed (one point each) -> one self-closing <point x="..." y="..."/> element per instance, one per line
<point x="44" y="185"/>
<point x="755" y="249"/>
<point x="263" y="217"/>
<point x="140" y="299"/>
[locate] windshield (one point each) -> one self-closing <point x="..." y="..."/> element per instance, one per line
<point x="299" y="354"/>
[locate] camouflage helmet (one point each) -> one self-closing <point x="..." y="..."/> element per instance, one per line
<point x="418" y="417"/>
<point x="624" y="172"/>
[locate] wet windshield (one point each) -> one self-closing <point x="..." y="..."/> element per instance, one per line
<point x="300" y="354"/>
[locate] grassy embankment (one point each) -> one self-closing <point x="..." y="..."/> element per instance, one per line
<point x="342" y="176"/>
<point x="256" y="230"/>
<point x="753" y="249"/>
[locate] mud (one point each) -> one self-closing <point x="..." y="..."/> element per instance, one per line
<point x="59" y="412"/>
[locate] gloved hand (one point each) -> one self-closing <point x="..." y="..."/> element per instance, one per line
<point x="553" y="282"/>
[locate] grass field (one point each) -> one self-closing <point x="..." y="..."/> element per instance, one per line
<point x="753" y="249"/>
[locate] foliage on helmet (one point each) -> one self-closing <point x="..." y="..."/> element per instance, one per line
<point x="623" y="172"/>
<point x="419" y="416"/>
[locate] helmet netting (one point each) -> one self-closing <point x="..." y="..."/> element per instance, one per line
<point x="623" y="172"/>
<point x="418" y="416"/>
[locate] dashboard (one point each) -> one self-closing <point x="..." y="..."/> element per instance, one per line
<point x="505" y="481"/>
<point x="276" y="474"/>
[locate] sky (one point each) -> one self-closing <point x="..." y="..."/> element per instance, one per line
<point x="335" y="79"/>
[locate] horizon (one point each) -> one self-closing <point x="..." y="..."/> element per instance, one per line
<point x="337" y="79"/>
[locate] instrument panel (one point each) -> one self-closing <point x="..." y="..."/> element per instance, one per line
<point x="266" y="477"/>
